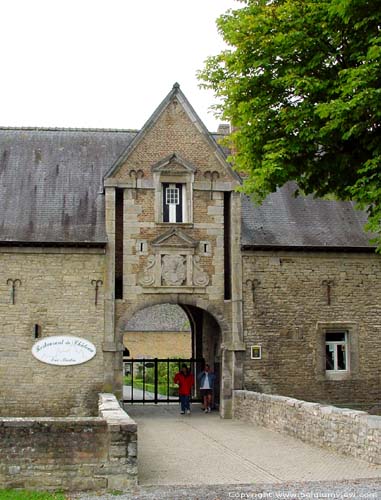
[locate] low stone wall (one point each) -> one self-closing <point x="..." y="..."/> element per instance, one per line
<point x="70" y="453"/>
<point x="342" y="430"/>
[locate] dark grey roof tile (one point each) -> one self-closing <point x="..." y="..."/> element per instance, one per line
<point x="51" y="183"/>
<point x="285" y="221"/>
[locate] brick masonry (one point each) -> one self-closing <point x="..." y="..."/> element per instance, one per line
<point x="349" y="432"/>
<point x="70" y="453"/>
<point x="286" y="311"/>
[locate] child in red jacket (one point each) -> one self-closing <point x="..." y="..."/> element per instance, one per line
<point x="185" y="381"/>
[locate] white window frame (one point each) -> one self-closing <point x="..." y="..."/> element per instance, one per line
<point x="172" y="189"/>
<point x="336" y="345"/>
<point x="185" y="203"/>
<point x="256" y="352"/>
<point x="173" y="206"/>
<point x="172" y="192"/>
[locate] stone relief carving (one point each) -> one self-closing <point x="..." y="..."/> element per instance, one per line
<point x="148" y="276"/>
<point x="173" y="270"/>
<point x="200" y="277"/>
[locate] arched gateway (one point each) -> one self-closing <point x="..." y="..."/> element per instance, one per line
<point x="173" y="226"/>
<point x="160" y="344"/>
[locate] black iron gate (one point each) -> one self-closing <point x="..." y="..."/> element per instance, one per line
<point x="151" y="380"/>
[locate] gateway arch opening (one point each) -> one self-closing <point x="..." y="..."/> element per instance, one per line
<point x="158" y="340"/>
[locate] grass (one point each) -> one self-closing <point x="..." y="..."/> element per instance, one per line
<point x="30" y="495"/>
<point x="161" y="388"/>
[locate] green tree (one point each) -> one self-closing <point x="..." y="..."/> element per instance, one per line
<point x="300" y="83"/>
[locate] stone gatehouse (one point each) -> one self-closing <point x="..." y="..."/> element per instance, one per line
<point x="96" y="225"/>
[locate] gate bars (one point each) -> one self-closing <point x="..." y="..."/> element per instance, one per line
<point x="148" y="380"/>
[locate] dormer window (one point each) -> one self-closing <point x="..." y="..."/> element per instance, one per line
<point x="173" y="181"/>
<point x="173" y="203"/>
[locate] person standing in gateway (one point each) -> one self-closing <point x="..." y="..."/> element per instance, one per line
<point x="206" y="379"/>
<point x="185" y="380"/>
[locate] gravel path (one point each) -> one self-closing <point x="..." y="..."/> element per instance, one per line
<point x="359" y="489"/>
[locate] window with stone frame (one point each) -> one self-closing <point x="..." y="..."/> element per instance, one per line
<point x="336" y="350"/>
<point x="174" y="202"/>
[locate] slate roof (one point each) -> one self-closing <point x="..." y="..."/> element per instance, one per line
<point x="303" y="222"/>
<point x="162" y="317"/>
<point x="51" y="183"/>
<point x="51" y="192"/>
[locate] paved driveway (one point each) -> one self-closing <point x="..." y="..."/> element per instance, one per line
<point x="138" y="394"/>
<point x="205" y="449"/>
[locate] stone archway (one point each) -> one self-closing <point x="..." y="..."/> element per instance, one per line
<point x="210" y="332"/>
<point x="159" y="331"/>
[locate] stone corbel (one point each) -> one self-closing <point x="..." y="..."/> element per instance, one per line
<point x="147" y="277"/>
<point x="112" y="347"/>
<point x="200" y="277"/>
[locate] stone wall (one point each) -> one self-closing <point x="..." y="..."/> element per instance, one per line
<point x="287" y="311"/>
<point x="158" y="344"/>
<point x="55" y="293"/>
<point x="70" y="453"/>
<point x="345" y="431"/>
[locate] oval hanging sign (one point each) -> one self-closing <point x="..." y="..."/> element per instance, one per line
<point x="64" y="350"/>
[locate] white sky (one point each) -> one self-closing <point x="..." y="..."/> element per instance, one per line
<point x="103" y="63"/>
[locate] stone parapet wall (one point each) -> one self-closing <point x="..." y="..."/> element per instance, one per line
<point x="121" y="469"/>
<point x="70" y="453"/>
<point x="342" y="430"/>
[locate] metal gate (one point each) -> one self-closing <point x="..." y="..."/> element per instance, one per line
<point x="151" y="380"/>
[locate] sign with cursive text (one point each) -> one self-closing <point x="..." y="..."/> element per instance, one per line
<point x="63" y="350"/>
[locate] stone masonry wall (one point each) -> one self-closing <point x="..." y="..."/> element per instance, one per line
<point x="345" y="431"/>
<point x="287" y="312"/>
<point x="57" y="294"/>
<point x="70" y="453"/>
<point x="158" y="344"/>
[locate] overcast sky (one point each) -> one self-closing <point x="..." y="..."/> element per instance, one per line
<point x="103" y="63"/>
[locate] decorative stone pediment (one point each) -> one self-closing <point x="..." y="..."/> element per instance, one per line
<point x="174" y="238"/>
<point x="174" y="164"/>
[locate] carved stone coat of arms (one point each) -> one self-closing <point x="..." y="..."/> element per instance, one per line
<point x="173" y="270"/>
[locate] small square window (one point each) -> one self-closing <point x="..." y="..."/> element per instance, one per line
<point x="256" y="352"/>
<point x="172" y="196"/>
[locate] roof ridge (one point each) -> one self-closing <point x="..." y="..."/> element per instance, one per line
<point x="70" y="129"/>
<point x="82" y="129"/>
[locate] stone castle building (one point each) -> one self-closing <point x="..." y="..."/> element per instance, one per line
<point x="96" y="225"/>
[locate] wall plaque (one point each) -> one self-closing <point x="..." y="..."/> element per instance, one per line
<point x="63" y="350"/>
